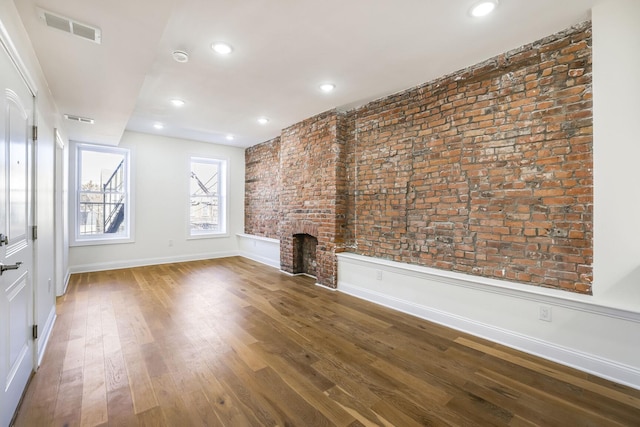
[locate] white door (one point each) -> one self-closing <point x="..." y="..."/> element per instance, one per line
<point x="16" y="252"/>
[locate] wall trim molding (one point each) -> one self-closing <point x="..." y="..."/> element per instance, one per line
<point x="325" y="287"/>
<point x="116" y="265"/>
<point x="46" y="331"/>
<point x="65" y="284"/>
<point x="358" y="277"/>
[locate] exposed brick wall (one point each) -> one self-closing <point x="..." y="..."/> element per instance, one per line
<point x="262" y="189"/>
<point x="487" y="171"/>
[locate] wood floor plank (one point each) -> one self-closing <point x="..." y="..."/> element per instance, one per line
<point x="230" y="342"/>
<point x="563" y="407"/>
<point x="226" y="406"/>
<point x="350" y="383"/>
<point x="396" y="416"/>
<point x="94" y="396"/>
<point x="424" y="390"/>
<point x="255" y="396"/>
<point x="115" y="371"/>
<point x="69" y="399"/>
<point x="248" y="355"/>
<point x="555" y="373"/>
<point x="152" y="417"/>
<point x="360" y="411"/>
<point x="294" y="405"/>
<point x="120" y="407"/>
<point x="298" y="380"/>
<point x="530" y="408"/>
<point x="142" y="392"/>
<point x="200" y="410"/>
<point x="170" y="401"/>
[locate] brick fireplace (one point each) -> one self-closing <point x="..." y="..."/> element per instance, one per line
<point x="312" y="196"/>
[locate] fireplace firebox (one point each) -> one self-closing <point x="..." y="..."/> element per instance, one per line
<point x="304" y="254"/>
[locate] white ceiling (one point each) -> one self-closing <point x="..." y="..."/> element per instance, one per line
<point x="283" y="49"/>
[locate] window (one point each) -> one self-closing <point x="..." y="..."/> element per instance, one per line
<point x="208" y="204"/>
<point x="102" y="199"/>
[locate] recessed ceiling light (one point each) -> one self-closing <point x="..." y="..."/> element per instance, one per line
<point x="327" y="87"/>
<point x="230" y="137"/>
<point x="158" y="125"/>
<point x="222" y="48"/>
<point x="483" y="8"/>
<point x="263" y="120"/>
<point x="180" y="56"/>
<point x="177" y="102"/>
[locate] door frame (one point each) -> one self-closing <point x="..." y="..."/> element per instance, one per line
<point x="14" y="55"/>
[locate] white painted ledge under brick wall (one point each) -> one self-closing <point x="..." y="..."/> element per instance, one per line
<point x="593" y="337"/>
<point x="260" y="249"/>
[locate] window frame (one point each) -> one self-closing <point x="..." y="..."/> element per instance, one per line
<point x="223" y="198"/>
<point x="104" y="238"/>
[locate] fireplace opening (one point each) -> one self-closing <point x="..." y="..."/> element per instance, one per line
<point x="304" y="254"/>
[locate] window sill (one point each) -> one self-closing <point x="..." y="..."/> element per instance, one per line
<point x="103" y="241"/>
<point x="207" y="236"/>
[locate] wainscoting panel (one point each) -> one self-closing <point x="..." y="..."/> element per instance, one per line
<point x="260" y="249"/>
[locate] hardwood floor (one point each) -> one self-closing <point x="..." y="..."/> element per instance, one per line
<point x="231" y="342"/>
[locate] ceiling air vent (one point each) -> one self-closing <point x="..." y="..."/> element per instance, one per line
<point x="79" y="119"/>
<point x="70" y="26"/>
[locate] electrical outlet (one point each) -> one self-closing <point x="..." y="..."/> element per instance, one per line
<point x="545" y="313"/>
<point x="378" y="274"/>
<point x="49" y="285"/>
<point x="170" y="242"/>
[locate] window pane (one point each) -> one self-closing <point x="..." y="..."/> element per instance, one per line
<point x="102" y="192"/>
<point x="204" y="178"/>
<point x="92" y="213"/>
<point x="98" y="168"/>
<point x="206" y="196"/>
<point x="204" y="214"/>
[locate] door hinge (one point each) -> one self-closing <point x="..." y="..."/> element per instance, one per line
<point x="35" y="133"/>
<point x="35" y="332"/>
<point x="34" y="232"/>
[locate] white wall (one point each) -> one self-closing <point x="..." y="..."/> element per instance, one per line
<point x="160" y="178"/>
<point x="616" y="95"/>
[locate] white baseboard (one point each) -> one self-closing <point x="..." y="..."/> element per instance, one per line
<point x="260" y="249"/>
<point x="326" y="288"/>
<point x="45" y="334"/>
<point x="116" y="265"/>
<point x="66" y="282"/>
<point x="585" y="335"/>
<point x="262" y="260"/>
